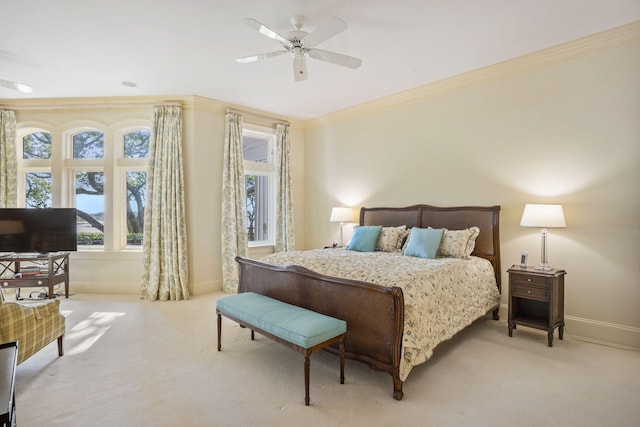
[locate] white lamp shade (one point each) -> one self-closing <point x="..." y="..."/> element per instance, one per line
<point x="341" y="215"/>
<point x="543" y="216"/>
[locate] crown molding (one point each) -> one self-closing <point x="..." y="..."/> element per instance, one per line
<point x="616" y="38"/>
<point x="93" y="103"/>
<point x="187" y="102"/>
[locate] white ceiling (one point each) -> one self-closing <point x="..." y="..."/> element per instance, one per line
<point x="81" y="48"/>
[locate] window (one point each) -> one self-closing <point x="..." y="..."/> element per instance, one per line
<point x="36" y="149"/>
<point x="100" y="173"/>
<point x="257" y="150"/>
<point x="133" y="167"/>
<point x="87" y="172"/>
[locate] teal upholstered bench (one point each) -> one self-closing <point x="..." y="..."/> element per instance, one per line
<point x="303" y="330"/>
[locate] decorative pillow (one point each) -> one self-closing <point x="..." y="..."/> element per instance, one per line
<point x="364" y="238"/>
<point x="424" y="242"/>
<point x="391" y="238"/>
<point x="458" y="243"/>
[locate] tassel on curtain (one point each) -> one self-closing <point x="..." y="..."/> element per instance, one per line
<point x="165" y="233"/>
<point x="285" y="237"/>
<point x="234" y="208"/>
<point x="8" y="160"/>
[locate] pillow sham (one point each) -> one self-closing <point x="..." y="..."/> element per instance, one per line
<point x="364" y="238"/>
<point x="423" y="242"/>
<point x="391" y="238"/>
<point x="458" y="243"/>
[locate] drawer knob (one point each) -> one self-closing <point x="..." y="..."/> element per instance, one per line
<point x="528" y="292"/>
<point x="528" y="280"/>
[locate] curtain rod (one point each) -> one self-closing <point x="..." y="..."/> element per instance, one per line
<point x="258" y="116"/>
<point x="90" y="106"/>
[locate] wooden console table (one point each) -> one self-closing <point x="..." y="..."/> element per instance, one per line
<point x="35" y="271"/>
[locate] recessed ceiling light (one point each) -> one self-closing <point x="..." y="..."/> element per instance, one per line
<point x="127" y="83"/>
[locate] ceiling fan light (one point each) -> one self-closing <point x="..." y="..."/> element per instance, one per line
<point x="300" y="43"/>
<point x="24" y="88"/>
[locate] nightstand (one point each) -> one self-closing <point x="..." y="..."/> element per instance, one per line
<point x="536" y="300"/>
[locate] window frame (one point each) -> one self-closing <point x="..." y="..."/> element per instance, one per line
<point x="123" y="165"/>
<point x="263" y="169"/>
<point x="62" y="167"/>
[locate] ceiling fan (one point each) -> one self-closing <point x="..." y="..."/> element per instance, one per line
<point x="16" y="86"/>
<point x="300" y="43"/>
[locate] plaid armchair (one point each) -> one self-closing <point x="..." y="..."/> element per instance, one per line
<point x="33" y="326"/>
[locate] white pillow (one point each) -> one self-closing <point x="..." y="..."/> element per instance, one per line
<point x="458" y="243"/>
<point x="391" y="238"/>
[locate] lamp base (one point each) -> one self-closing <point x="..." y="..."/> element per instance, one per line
<point x="545" y="267"/>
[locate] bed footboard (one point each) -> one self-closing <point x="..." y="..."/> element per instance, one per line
<point x="374" y="314"/>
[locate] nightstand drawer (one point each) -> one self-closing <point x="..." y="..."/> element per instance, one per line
<point x="520" y="290"/>
<point x="531" y="279"/>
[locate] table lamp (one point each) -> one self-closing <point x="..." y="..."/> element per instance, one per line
<point x="543" y="216"/>
<point x="341" y="215"/>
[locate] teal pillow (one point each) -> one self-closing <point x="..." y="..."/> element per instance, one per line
<point x="424" y="242"/>
<point x="364" y="238"/>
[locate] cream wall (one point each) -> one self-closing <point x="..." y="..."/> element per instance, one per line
<point x="560" y="126"/>
<point x="204" y="147"/>
<point x="568" y="133"/>
<point x="202" y="150"/>
<point x="110" y="272"/>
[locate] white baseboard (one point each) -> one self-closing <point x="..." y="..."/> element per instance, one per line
<point x="612" y="334"/>
<point x="206" y="287"/>
<point x="133" y="288"/>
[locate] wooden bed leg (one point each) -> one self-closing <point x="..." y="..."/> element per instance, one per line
<point x="397" y="388"/>
<point x="219" y="331"/>
<point x="496" y="314"/>
<point x="307" y="365"/>
<point x="61" y="346"/>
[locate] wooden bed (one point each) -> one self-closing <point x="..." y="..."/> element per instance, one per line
<point x="374" y="334"/>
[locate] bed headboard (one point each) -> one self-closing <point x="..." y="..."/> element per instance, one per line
<point x="487" y="218"/>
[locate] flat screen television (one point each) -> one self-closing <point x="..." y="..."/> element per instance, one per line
<point x="38" y="230"/>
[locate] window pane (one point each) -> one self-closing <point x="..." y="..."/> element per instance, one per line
<point x="90" y="205"/>
<point x="36" y="146"/>
<point x="255" y="149"/>
<point x="38" y="190"/>
<point x="88" y="145"/>
<point x="257" y="188"/>
<point x="136" y="186"/>
<point x="136" y="144"/>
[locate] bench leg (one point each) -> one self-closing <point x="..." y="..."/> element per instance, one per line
<point x="342" y="361"/>
<point x="307" y="366"/>
<point x="219" y="331"/>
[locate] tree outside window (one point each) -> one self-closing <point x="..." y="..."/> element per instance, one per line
<point x="87" y="176"/>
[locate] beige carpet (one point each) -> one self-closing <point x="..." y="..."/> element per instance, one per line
<point x="132" y="362"/>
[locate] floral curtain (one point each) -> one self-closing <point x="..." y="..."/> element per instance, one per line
<point x="285" y="238"/>
<point x="165" y="233"/>
<point x="8" y="160"/>
<point x="234" y="209"/>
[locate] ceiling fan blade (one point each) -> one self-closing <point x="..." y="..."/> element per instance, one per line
<point x="264" y="30"/>
<point x="254" y="58"/>
<point x="299" y="67"/>
<point x="335" y="58"/>
<point x="16" y="86"/>
<point x="329" y="29"/>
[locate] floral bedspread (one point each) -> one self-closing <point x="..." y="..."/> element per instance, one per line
<point x="441" y="296"/>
